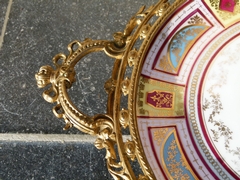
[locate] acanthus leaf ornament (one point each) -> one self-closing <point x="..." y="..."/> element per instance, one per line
<point x="132" y="57"/>
<point x="141" y="177"/>
<point x="125" y="86"/>
<point x="144" y="31"/>
<point x="130" y="149"/>
<point x="110" y="85"/>
<point x="124" y="118"/>
<point x="161" y="10"/>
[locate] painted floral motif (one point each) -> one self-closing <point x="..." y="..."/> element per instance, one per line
<point x="176" y="167"/>
<point x="160" y="99"/>
<point x="181" y="42"/>
<point x="220" y="104"/>
<point x="159" y="135"/>
<point x="221" y="130"/>
<point x="171" y="155"/>
<point x="165" y="65"/>
<point x="196" y="20"/>
<point x="154" y="95"/>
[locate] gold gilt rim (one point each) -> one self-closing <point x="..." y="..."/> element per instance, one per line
<point x="163" y="9"/>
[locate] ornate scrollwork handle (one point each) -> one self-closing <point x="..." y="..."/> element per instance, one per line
<point x="62" y="77"/>
<point x="106" y="127"/>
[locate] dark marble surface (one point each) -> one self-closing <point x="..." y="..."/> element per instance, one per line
<point x="52" y="160"/>
<point x="37" y="31"/>
<point x="3" y="8"/>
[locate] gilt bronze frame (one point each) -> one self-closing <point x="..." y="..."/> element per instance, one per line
<point x="107" y="126"/>
<point x="141" y="30"/>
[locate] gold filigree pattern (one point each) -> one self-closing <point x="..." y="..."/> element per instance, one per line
<point x="169" y="98"/>
<point x="196" y="20"/>
<point x="225" y="14"/>
<point x="216" y="104"/>
<point x="174" y="165"/>
<point x="221" y="130"/>
<point x="182" y="39"/>
<point x="193" y="93"/>
<point x="165" y="65"/>
<point x="159" y="135"/>
<point x="161" y="99"/>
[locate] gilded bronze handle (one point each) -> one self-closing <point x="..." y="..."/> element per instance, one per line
<point x="107" y="127"/>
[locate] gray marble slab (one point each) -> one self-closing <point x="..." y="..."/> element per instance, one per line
<point x="37" y="31"/>
<point x="3" y="8"/>
<point x="51" y="160"/>
<point x="53" y="156"/>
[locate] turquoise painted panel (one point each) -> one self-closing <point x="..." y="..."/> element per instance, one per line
<point x="174" y="161"/>
<point x="180" y="42"/>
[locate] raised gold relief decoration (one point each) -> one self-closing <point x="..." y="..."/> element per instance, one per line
<point x="183" y="39"/>
<point x="159" y="99"/>
<point x="124" y="118"/>
<point x="144" y="31"/>
<point x="130" y="149"/>
<point x="125" y="86"/>
<point x="141" y="177"/>
<point x="196" y="20"/>
<point x="110" y="85"/>
<point x="171" y="156"/>
<point x="132" y="57"/>
<point x="159" y="135"/>
<point x="161" y="10"/>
